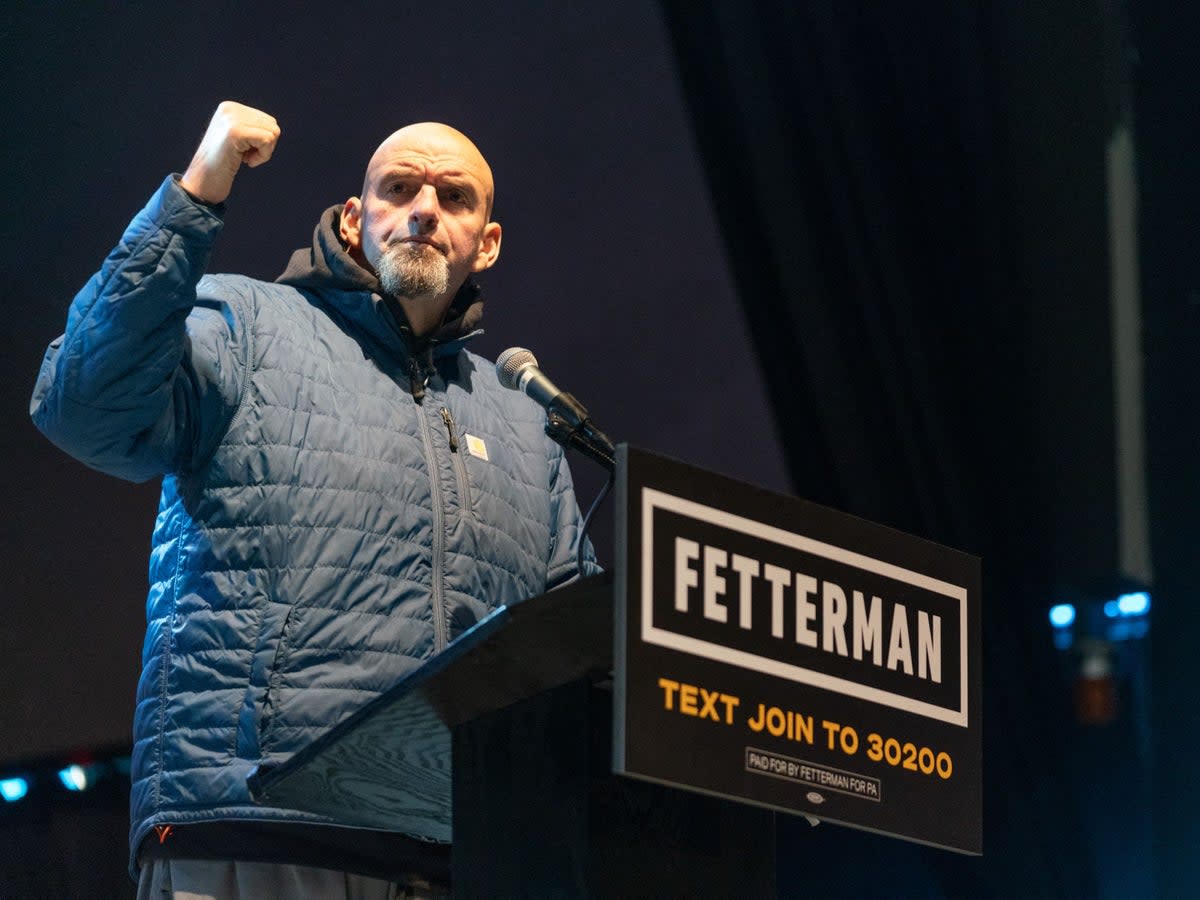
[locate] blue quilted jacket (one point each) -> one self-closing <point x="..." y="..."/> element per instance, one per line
<point x="321" y="532"/>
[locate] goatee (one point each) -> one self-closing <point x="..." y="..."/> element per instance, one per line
<point x="413" y="269"/>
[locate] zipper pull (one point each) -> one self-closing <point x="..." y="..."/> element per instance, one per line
<point x="449" y="420"/>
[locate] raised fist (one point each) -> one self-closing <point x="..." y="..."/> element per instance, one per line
<point x="237" y="134"/>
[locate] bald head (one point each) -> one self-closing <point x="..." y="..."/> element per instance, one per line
<point x="423" y="223"/>
<point x="439" y="144"/>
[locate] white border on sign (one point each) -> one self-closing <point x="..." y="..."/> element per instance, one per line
<point x="653" y="634"/>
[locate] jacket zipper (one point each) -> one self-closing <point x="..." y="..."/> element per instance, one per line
<point x="460" y="465"/>
<point x="441" y="634"/>
<point x="272" y="684"/>
<point x="417" y="379"/>
<point x="449" y="420"/>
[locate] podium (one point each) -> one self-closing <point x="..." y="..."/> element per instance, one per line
<point x="504" y="742"/>
<point x="750" y="653"/>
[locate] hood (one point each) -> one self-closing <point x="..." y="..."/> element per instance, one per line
<point x="326" y="266"/>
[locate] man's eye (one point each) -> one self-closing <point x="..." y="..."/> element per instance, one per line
<point x="398" y="188"/>
<point x="456" y="196"/>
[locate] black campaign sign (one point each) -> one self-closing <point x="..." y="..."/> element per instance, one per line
<point x="781" y="653"/>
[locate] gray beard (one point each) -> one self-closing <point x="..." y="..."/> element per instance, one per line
<point x="413" y="270"/>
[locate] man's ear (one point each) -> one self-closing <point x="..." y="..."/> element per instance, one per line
<point x="350" y="226"/>
<point x="489" y="247"/>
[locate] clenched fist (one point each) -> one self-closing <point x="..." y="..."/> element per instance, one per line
<point x="237" y="134"/>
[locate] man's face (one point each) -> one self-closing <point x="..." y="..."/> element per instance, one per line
<point x="422" y="222"/>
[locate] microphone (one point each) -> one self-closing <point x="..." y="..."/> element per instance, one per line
<point x="567" y="420"/>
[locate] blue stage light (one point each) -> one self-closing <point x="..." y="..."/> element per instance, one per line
<point x="1134" y="604"/>
<point x="74" y="778"/>
<point x="13" y="789"/>
<point x="1062" y="615"/>
<point x="1128" y="606"/>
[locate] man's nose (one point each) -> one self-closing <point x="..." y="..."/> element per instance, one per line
<point x="423" y="214"/>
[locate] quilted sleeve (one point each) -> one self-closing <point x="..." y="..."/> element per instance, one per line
<point x="145" y="378"/>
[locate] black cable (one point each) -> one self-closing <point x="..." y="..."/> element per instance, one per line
<point x="587" y="520"/>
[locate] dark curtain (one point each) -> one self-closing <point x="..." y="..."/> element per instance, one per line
<point x="865" y="162"/>
<point x="1168" y="129"/>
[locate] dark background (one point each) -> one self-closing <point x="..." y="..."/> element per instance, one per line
<point x="860" y="252"/>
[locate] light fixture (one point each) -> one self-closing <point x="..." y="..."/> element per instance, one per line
<point x="75" y="778"/>
<point x="1062" y="615"/>
<point x="13" y="789"/>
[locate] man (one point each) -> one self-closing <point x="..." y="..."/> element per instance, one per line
<point x="345" y="489"/>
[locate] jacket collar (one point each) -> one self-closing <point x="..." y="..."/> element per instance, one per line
<point x="327" y="268"/>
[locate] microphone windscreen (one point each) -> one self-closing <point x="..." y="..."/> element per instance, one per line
<point x="511" y="363"/>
